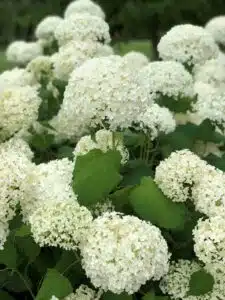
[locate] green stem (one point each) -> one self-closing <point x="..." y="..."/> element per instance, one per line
<point x="25" y="282"/>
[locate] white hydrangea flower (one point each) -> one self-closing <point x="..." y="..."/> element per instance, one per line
<point x="16" y="77"/>
<point x="84" y="293"/>
<point x="46" y="28"/>
<point x="176" y="174"/>
<point x="104" y="140"/>
<point x="216" y="27"/>
<point x="84" y="6"/>
<point x="102" y="207"/>
<point x="47" y="182"/>
<point x="18" y="109"/>
<point x="212" y="72"/>
<point x="40" y="66"/>
<point x="54" y="298"/>
<point x="188" y="44"/>
<point x="21" y="52"/>
<point x="100" y="90"/>
<point x="155" y="120"/>
<point x="14" y="165"/>
<point x="104" y="50"/>
<point x="167" y="78"/>
<point x="120" y="253"/>
<point x="60" y="224"/>
<point x="176" y="282"/>
<point x="18" y="145"/>
<point x="208" y="194"/>
<point x="210" y="103"/>
<point x="209" y="242"/>
<point x="135" y="60"/>
<point x="82" y="27"/>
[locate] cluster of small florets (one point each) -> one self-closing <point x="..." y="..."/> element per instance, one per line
<point x="188" y="44"/>
<point x="176" y="282"/>
<point x="135" y="60"/>
<point x="82" y="27"/>
<point x="18" y="109"/>
<point x="102" y="207"/>
<point x="100" y="90"/>
<point x="176" y="175"/>
<point x="216" y="27"/>
<point x="40" y="67"/>
<point x="167" y="78"/>
<point x="21" y="52"/>
<point x="84" y="6"/>
<point x="155" y="120"/>
<point x="120" y="253"/>
<point x="104" y="140"/>
<point x="82" y="293"/>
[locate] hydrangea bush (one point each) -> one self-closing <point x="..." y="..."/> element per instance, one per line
<point x="112" y="169"/>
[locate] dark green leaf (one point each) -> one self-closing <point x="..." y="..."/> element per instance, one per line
<point x="54" y="284"/>
<point x="8" y="256"/>
<point x="111" y="296"/>
<point x="65" y="151"/>
<point x="135" y="173"/>
<point x="200" y="283"/>
<point x="17" y="283"/>
<point x="28" y="247"/>
<point x="150" y="204"/>
<point x="23" y="231"/>
<point x="180" y="105"/>
<point x="95" y="175"/>
<point x="42" y="141"/>
<point x="5" y="296"/>
<point x="67" y="261"/>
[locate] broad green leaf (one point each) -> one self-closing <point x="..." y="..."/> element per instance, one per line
<point x="111" y="296"/>
<point x="218" y="162"/>
<point x="95" y="175"/>
<point x="120" y="199"/>
<point x="8" y="256"/>
<point x="151" y="296"/>
<point x="16" y="282"/>
<point x="42" y="141"/>
<point x="150" y="204"/>
<point x="134" y="139"/>
<point x="180" y="105"/>
<point x="23" y="231"/>
<point x="55" y="284"/>
<point x="5" y="296"/>
<point x="65" y="151"/>
<point x="200" y="283"/>
<point x="28" y="247"/>
<point x="67" y="261"/>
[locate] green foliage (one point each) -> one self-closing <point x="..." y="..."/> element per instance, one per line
<point x="111" y="296"/>
<point x="201" y="283"/>
<point x="95" y="175"/>
<point x="150" y="204"/>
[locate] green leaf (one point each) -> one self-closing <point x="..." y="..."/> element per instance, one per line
<point x="5" y="296"/>
<point x="28" y="247"/>
<point x="95" y="175"/>
<point x="180" y="105"/>
<point x="66" y="261"/>
<point x="54" y="284"/>
<point x="111" y="296"/>
<point x="150" y="204"/>
<point x="42" y="141"/>
<point x="17" y="282"/>
<point x="23" y="231"/>
<point x="151" y="296"/>
<point x="218" y="162"/>
<point x="8" y="256"/>
<point x="133" y="138"/>
<point x="200" y="283"/>
<point x="65" y="151"/>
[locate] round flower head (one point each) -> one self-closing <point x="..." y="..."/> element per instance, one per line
<point x="104" y="140"/>
<point x="120" y="253"/>
<point x="212" y="72"/>
<point x="210" y="103"/>
<point x="216" y="27"/>
<point x="167" y="78"/>
<point x="135" y="60"/>
<point x="18" y="109"/>
<point x="14" y="165"/>
<point x="104" y="50"/>
<point x="82" y="27"/>
<point x="209" y="193"/>
<point x="176" y="175"/>
<point x="84" y="6"/>
<point x="40" y="67"/>
<point x="100" y="90"/>
<point x="16" y="77"/>
<point x="18" y="145"/>
<point x="188" y="44"/>
<point x="60" y="224"/>
<point x="46" y="28"/>
<point x="155" y="120"/>
<point x="23" y="52"/>
<point x="84" y="293"/>
<point x="45" y="183"/>
<point x="209" y="242"/>
<point x="176" y="282"/>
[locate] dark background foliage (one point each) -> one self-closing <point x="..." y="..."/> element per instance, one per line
<point x="127" y="18"/>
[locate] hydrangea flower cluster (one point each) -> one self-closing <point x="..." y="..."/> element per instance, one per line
<point x="84" y="6"/>
<point x="120" y="253"/>
<point x="135" y="60"/>
<point x="216" y="27"/>
<point x="104" y="140"/>
<point x="188" y="44"/>
<point x="82" y="293"/>
<point x="41" y="66"/>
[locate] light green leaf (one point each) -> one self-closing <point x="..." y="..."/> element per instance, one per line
<point x="54" y="284"/>
<point x="150" y="204"/>
<point x="95" y="175"/>
<point x="23" y="231"/>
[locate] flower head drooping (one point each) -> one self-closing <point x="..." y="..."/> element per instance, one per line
<point x="18" y="109"/>
<point x="209" y="242"/>
<point x="60" y="223"/>
<point x="216" y="27"/>
<point x="46" y="28"/>
<point x="84" y="6"/>
<point x="82" y="27"/>
<point x="104" y="140"/>
<point x="176" y="182"/>
<point x="21" y="52"/>
<point x="120" y="253"/>
<point x="188" y="44"/>
<point x="176" y="282"/>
